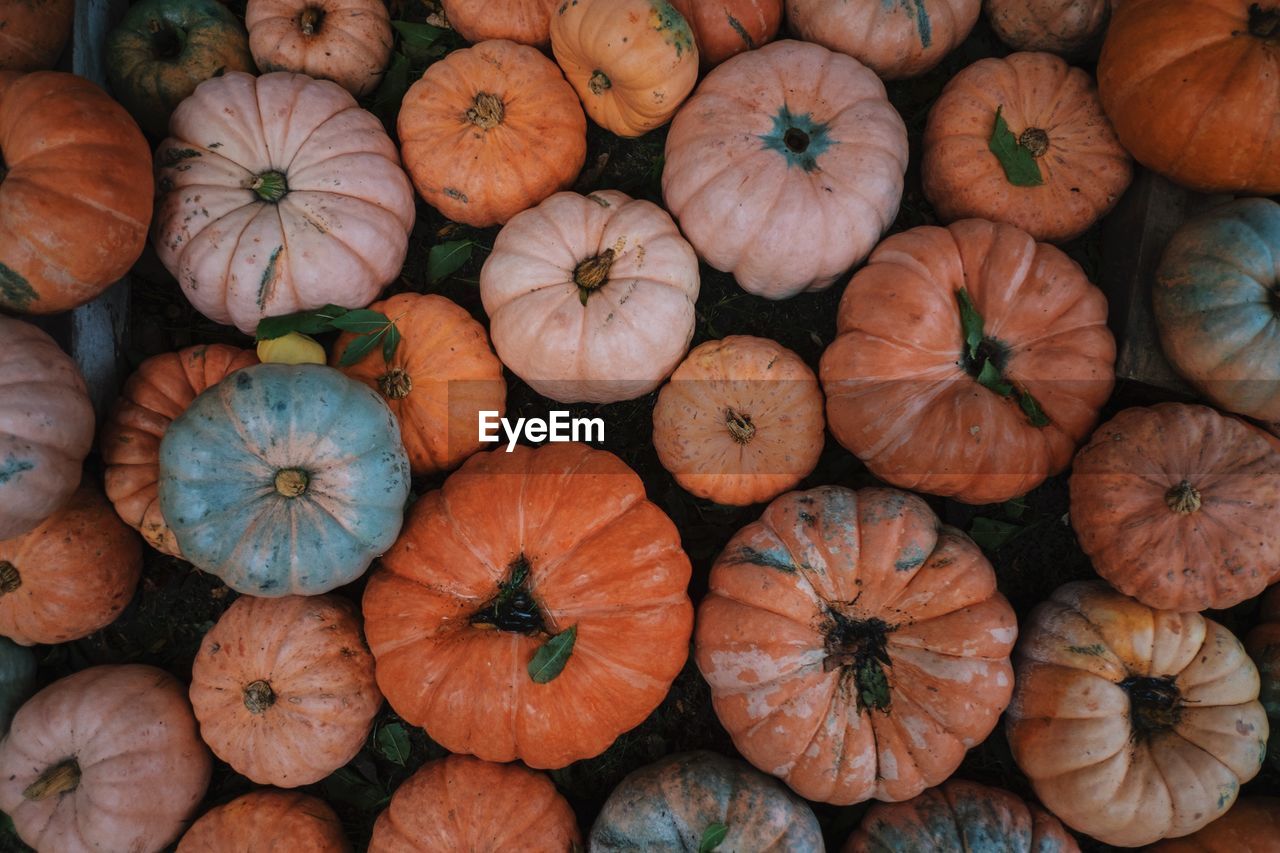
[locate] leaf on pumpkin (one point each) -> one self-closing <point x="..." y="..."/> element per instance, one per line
<point x="1031" y="408"/>
<point x="418" y="42"/>
<point x="358" y="349"/>
<point x="390" y="341"/>
<point x="361" y="321"/>
<point x="712" y="837"/>
<point x="1020" y="166"/>
<point x="550" y="659"/>
<point x="989" y="377"/>
<point x="390" y="92"/>
<point x="970" y="322"/>
<point x="393" y="743"/>
<point x="873" y="686"/>
<point x="447" y="258"/>
<point x="303" y="322"/>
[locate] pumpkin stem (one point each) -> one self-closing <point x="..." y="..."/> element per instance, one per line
<point x="487" y="111"/>
<point x="270" y="186"/>
<point x="291" y="482"/>
<point x="1183" y="498"/>
<point x="56" y="779"/>
<point x="599" y="82"/>
<point x="166" y="39"/>
<point x="859" y="648"/>
<point x="796" y="140"/>
<point x="592" y="273"/>
<point x="309" y="20"/>
<point x="740" y="426"/>
<point x="1155" y="704"/>
<point x="258" y="697"/>
<point x="514" y="608"/>
<point x="1034" y="140"/>
<point x="1264" y="23"/>
<point x="9" y="577"/>
<point x="396" y="383"/>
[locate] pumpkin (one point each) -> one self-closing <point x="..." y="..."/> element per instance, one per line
<point x="590" y="298"/>
<point x="670" y="805"/>
<point x="895" y="39"/>
<point x="855" y="646"/>
<point x="1263" y="644"/>
<point x="1052" y="119"/>
<point x="1133" y="724"/>
<point x="46" y="427"/>
<point x="162" y="49"/>
<point x="461" y="803"/>
<point x="1252" y="826"/>
<point x="33" y="33"/>
<point x="490" y="131"/>
<point x="283" y="688"/>
<point x="284" y="479"/>
<point x="267" y="820"/>
<point x="725" y="28"/>
<point x="520" y="21"/>
<point x="1217" y="307"/>
<point x="70" y="576"/>
<point x="441" y="376"/>
<point x="740" y="421"/>
<point x="279" y="194"/>
<point x="1066" y="27"/>
<point x="17" y="679"/>
<point x="74" y="165"/>
<point x="785" y="167"/>
<point x="524" y="562"/>
<point x="969" y="361"/>
<point x="158" y="391"/>
<point x="632" y="62"/>
<point x="105" y="759"/>
<point x="960" y="816"/>
<point x="346" y="41"/>
<point x="1176" y="506"/>
<point x="1182" y="82"/>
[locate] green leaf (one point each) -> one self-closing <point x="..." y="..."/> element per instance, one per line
<point x="305" y="322"/>
<point x="390" y="92"/>
<point x="712" y="837"/>
<point x="389" y="343"/>
<point x="549" y="660"/>
<point x="393" y="743"/>
<point x="346" y="786"/>
<point x="1014" y="508"/>
<point x="873" y="687"/>
<point x="1019" y="165"/>
<point x="358" y="349"/>
<point x="417" y="41"/>
<point x="971" y="322"/>
<point x="989" y="377"/>
<point x="447" y="258"/>
<point x="1031" y="408"/>
<point x="362" y="321"/>
<point x="992" y="533"/>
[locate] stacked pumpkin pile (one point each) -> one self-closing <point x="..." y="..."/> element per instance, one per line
<point x="535" y="605"/>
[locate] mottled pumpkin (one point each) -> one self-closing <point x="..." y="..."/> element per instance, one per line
<point x="1217" y="305"/>
<point x="1066" y="27"/>
<point x="1133" y="724"/>
<point x="669" y="805"/>
<point x="1252" y="826"/>
<point x="75" y="192"/>
<point x="933" y="332"/>
<point x="740" y="422"/>
<point x="1263" y="644"/>
<point x="346" y="41"/>
<point x="46" y="427"/>
<point x="490" y="131"/>
<point x="17" y="679"/>
<point x="106" y="759"/>
<point x="785" y="167"/>
<point x="284" y="479"/>
<point x="517" y="549"/>
<point x="33" y="33"/>
<point x="590" y="298"/>
<point x="855" y="646"/>
<point x="279" y="194"/>
<point x="462" y="803"/>
<point x="725" y="28"/>
<point x="1053" y="112"/>
<point x="267" y="820"/>
<point x="520" y="21"/>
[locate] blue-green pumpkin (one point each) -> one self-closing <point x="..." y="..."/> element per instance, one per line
<point x="1217" y="305"/>
<point x="284" y="479"/>
<point x="17" y="679"/>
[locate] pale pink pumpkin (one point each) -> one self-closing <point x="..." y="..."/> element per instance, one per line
<point x="346" y="41"/>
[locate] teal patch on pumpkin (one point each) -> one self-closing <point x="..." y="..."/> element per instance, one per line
<point x="915" y="7"/>
<point x="674" y="28"/>
<point x="14" y="467"/>
<point x="799" y="138"/>
<point x="15" y="291"/>
<point x="269" y="277"/>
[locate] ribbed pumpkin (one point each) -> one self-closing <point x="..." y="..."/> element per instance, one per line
<point x="958" y="817"/>
<point x="1066" y="27"/>
<point x="283" y="688"/>
<point x="346" y="41"/>
<point x="1183" y="81"/>
<point x="1252" y="826"/>
<point x="725" y="28"/>
<point x="267" y="820"/>
<point x="670" y="804"/>
<point x="519" y="550"/>
<point x="740" y="421"/>
<point x="785" y="167"/>
<point x="17" y="679"/>
<point x="158" y="391"/>
<point x="1176" y="506"/>
<point x="301" y="201"/>
<point x="521" y="21"/>
<point x="490" y="131"/>
<point x="590" y="298"/>
<point x="1053" y="114"/>
<point x="854" y="645"/>
<point x="1133" y="724"/>
<point x="106" y="759"/>
<point x="75" y="191"/>
<point x="284" y="479"/>
<point x="1217" y="305"/>
<point x="1263" y="644"/>
<point x="442" y="375"/>
<point x="933" y="332"/>
<point x="33" y="33"/>
<point x="46" y="427"/>
<point x="71" y="575"/>
<point x="896" y="39"/>
<point x="462" y="803"/>
<point x="632" y="62"/>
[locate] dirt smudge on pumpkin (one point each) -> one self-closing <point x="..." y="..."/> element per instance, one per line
<point x="15" y="290"/>
<point x="779" y="560"/>
<point x="741" y="31"/>
<point x="270" y="275"/>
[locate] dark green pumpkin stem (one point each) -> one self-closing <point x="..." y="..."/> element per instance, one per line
<point x="859" y="647"/>
<point x="1264" y="23"/>
<point x="166" y="40"/>
<point x="514" y="608"/>
<point x="270" y="186"/>
<point x="9" y="577"/>
<point x="985" y="359"/>
<point x="56" y="779"/>
<point x="1155" y="704"/>
<point x="796" y="140"/>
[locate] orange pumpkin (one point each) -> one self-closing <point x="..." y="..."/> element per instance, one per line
<point x="267" y="820"/>
<point x="933" y="334"/>
<point x="75" y="191"/>
<point x="442" y="375"/>
<point x="1067" y="27"/>
<point x="71" y="576"/>
<point x="346" y="41"/>
<point x="632" y="62"/>
<point x="521" y="559"/>
<point x="462" y="803"/>
<point x="490" y="131"/>
<point x="1051" y="112"/>
<point x="855" y="646"/>
<point x="158" y="391"/>
<point x="1252" y="826"/>
<point x="283" y="688"/>
<point x="725" y="28"/>
<point x="33" y="33"/>
<point x="740" y="421"/>
<point x="1263" y="644"/>
<point x="521" y="21"/>
<point x="1133" y="724"/>
<point x="1187" y="84"/>
<point x="1177" y="505"/>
